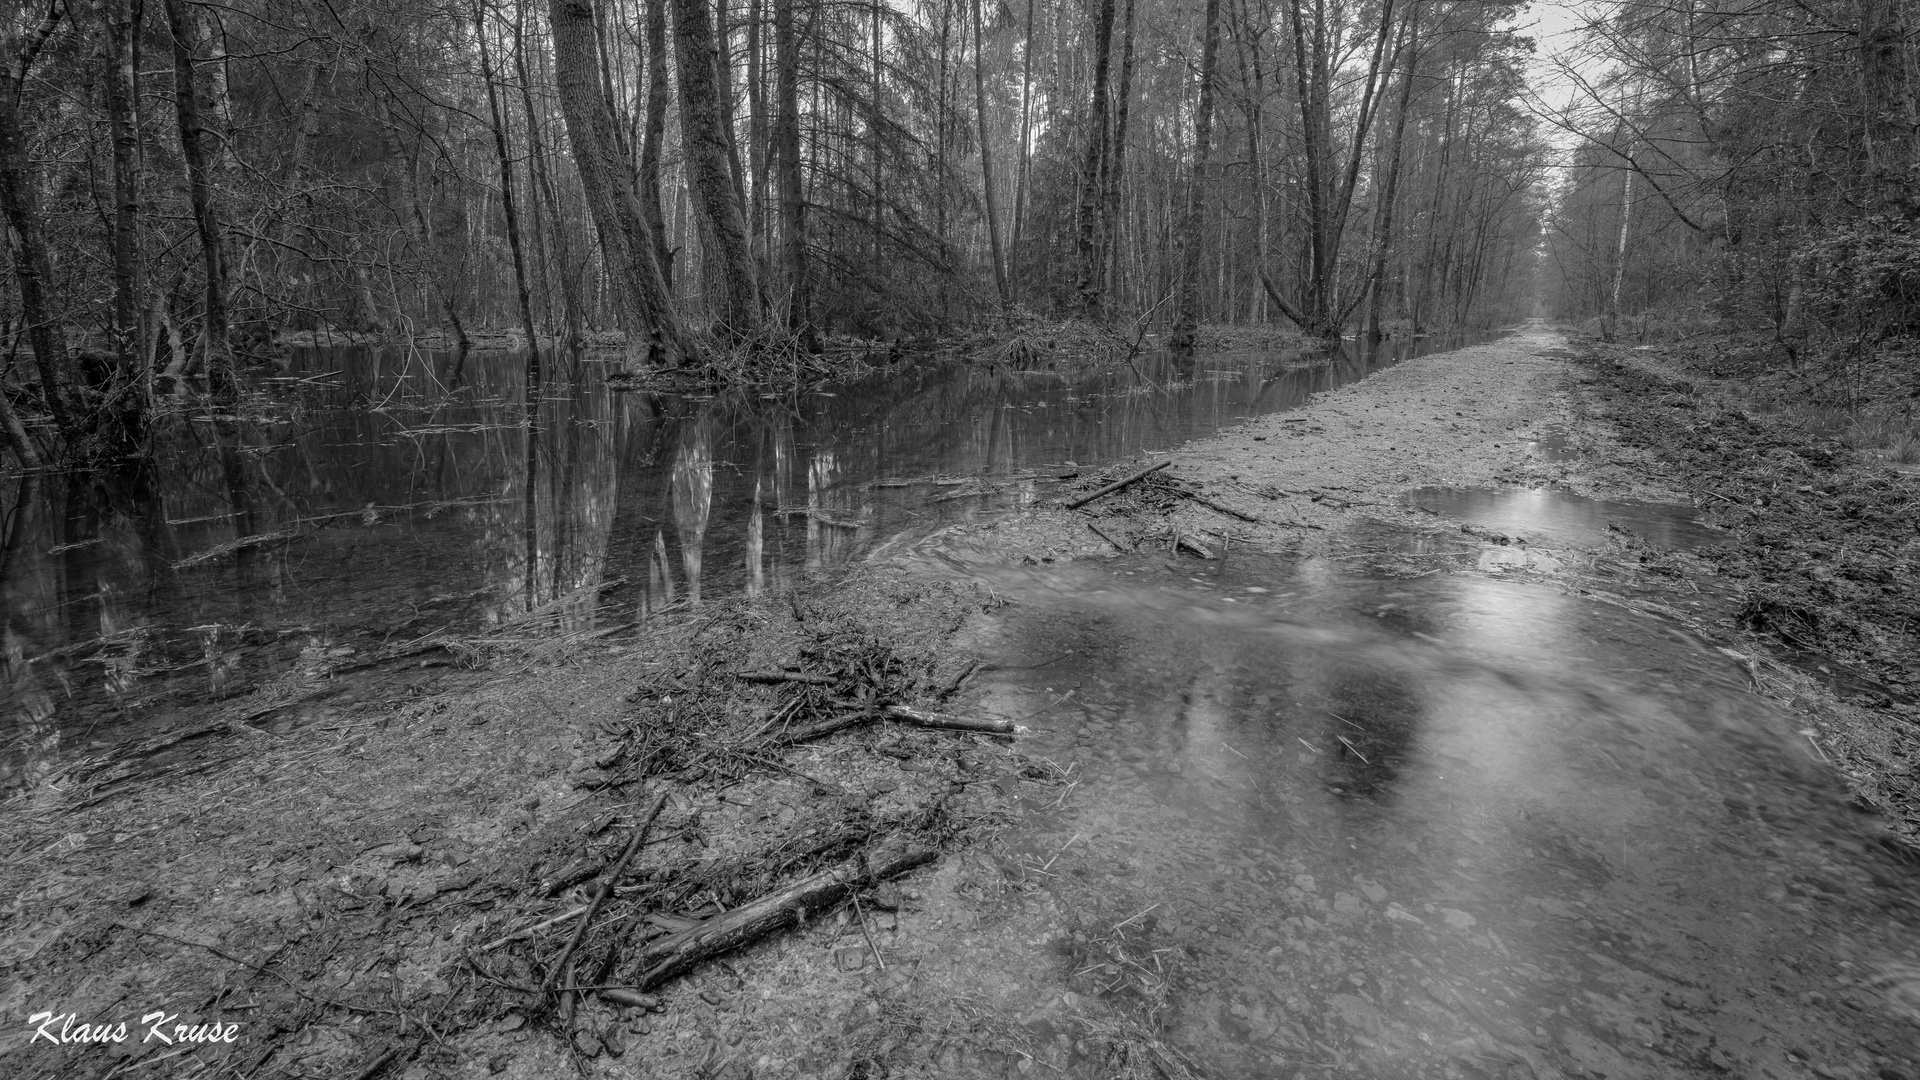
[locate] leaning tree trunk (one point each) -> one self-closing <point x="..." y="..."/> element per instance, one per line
<point x="1190" y="239"/>
<point x="629" y="244"/>
<point x="703" y="139"/>
<point x="20" y="204"/>
<point x="214" y="348"/>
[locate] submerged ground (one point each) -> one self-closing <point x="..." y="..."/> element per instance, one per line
<point x="1443" y="726"/>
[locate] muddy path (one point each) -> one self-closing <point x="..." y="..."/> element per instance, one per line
<point x="1409" y="732"/>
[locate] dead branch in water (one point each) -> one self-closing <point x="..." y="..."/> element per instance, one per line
<point x="1125" y="481"/>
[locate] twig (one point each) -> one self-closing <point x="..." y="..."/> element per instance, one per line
<point x="1102" y="534"/>
<point x="960" y="680"/>
<point x="1355" y="749"/>
<point x="606" y="889"/>
<point x="865" y="933"/>
<point x="1130" y="478"/>
<point x="251" y="966"/>
<point x="529" y="931"/>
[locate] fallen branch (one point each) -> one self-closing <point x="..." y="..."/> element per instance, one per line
<point x="1219" y="507"/>
<point x="941" y="720"/>
<point x="676" y="954"/>
<point x="784" y="677"/>
<point x="793" y="736"/>
<point x="1102" y="534"/>
<point x="960" y="680"/>
<point x="1130" y="478"/>
<point x="606" y="889"/>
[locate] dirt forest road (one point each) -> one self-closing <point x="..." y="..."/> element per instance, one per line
<point x="1412" y="734"/>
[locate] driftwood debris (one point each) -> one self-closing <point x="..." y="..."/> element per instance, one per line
<point x="1221" y="508"/>
<point x="1129" y="479"/>
<point x="676" y="954"/>
<point x="606" y="888"/>
<point x="942" y="720"/>
<point x="784" y="677"/>
<point x="1182" y="540"/>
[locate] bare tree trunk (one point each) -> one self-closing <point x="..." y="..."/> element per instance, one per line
<point x="1116" y="171"/>
<point x="129" y="340"/>
<point x="213" y="329"/>
<point x="1024" y="171"/>
<point x="1188" y="318"/>
<point x="1093" y="171"/>
<point x="1383" y="244"/>
<point x="656" y="129"/>
<point x="20" y="202"/>
<point x="17" y="436"/>
<point x="704" y="141"/>
<point x="986" y="160"/>
<point x="786" y="135"/>
<point x="633" y="265"/>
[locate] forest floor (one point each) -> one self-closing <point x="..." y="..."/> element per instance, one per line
<point x="391" y="887"/>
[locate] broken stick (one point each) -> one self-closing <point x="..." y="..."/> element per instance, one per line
<point x="784" y="677"/>
<point x="606" y="889"/>
<point x="1130" y="478"/>
<point x="679" y="953"/>
<point x="942" y="720"/>
<point x="1102" y="534"/>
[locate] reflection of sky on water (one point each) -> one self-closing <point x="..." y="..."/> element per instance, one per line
<point x="1400" y="827"/>
<point x="378" y="496"/>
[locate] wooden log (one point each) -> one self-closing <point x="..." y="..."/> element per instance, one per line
<point x="807" y="732"/>
<point x="784" y="677"/>
<point x="676" y="954"/>
<point x="942" y="720"/>
<point x="1130" y="478"/>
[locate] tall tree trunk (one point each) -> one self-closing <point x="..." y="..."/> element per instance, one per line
<point x="1117" y="170"/>
<point x="630" y="246"/>
<point x="1383" y="243"/>
<point x="1024" y="170"/>
<point x="508" y="202"/>
<point x="129" y="342"/>
<point x="1190" y="240"/>
<point x="1093" y="170"/>
<point x="786" y="135"/>
<point x="569" y="270"/>
<point x="213" y="329"/>
<point x="986" y="160"/>
<point x="656" y="131"/>
<point x="20" y="202"/>
<point x="704" y="142"/>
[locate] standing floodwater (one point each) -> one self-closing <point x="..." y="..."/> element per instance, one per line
<point x="362" y="499"/>
<point x="1316" y="824"/>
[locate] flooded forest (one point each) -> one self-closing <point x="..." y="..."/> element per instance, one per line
<point x="1124" y="538"/>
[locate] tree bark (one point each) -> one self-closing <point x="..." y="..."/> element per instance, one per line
<point x="214" y="348"/>
<point x="1093" y="170"/>
<point x="129" y="340"/>
<point x="786" y="135"/>
<point x="630" y="245"/>
<point x="704" y="142"/>
<point x="20" y="203"/>
<point x="658" y="96"/>
<point x="1188" y="318"/>
<point x="986" y="160"/>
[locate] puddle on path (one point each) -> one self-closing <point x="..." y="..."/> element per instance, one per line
<point x="1446" y="827"/>
<point x="373" y="497"/>
<point x="1557" y="517"/>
